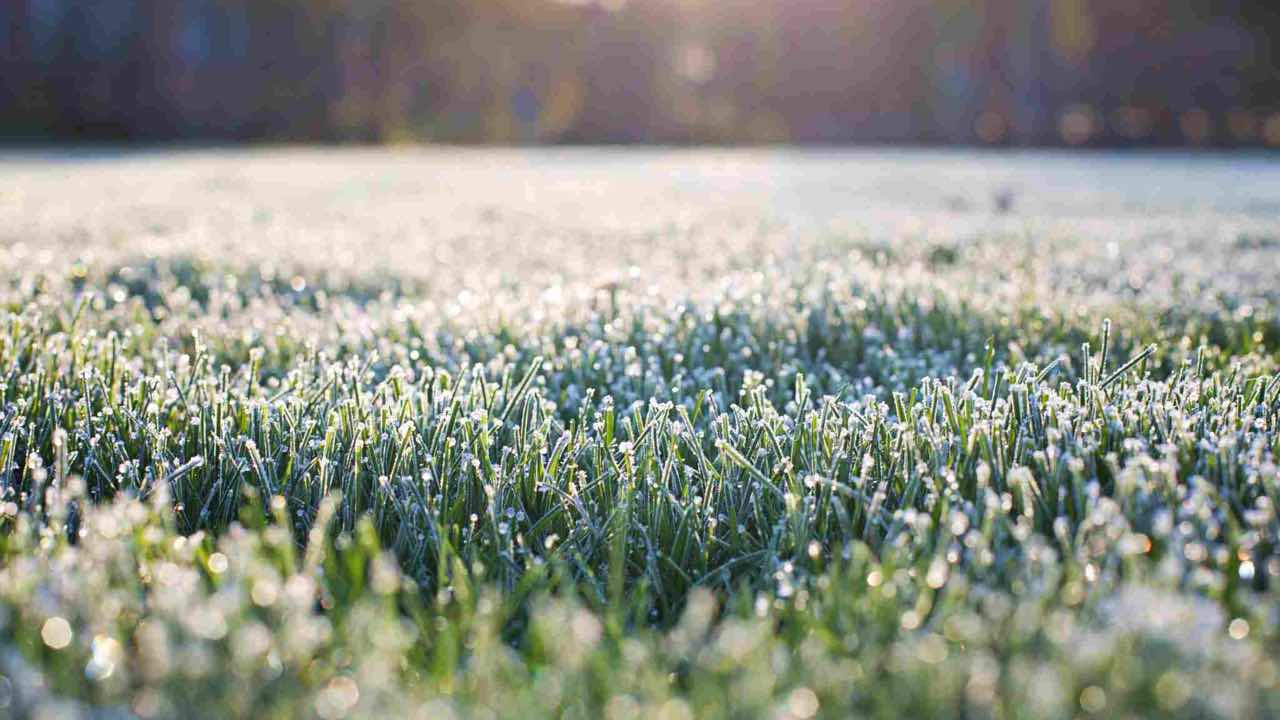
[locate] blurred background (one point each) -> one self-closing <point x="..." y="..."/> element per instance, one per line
<point x="975" y="72"/>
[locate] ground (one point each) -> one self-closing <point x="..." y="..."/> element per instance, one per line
<point x="622" y="433"/>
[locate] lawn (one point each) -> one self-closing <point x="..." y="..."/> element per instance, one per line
<point x="615" y="434"/>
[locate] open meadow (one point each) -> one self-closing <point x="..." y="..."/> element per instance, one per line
<point x="639" y="434"/>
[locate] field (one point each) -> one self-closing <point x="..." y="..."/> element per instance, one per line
<point x="621" y="434"/>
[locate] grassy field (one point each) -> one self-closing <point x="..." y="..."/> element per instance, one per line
<point x="639" y="435"/>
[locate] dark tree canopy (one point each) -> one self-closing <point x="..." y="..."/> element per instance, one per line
<point x="1102" y="72"/>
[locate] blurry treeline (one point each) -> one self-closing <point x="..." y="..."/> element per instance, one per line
<point x="935" y="71"/>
